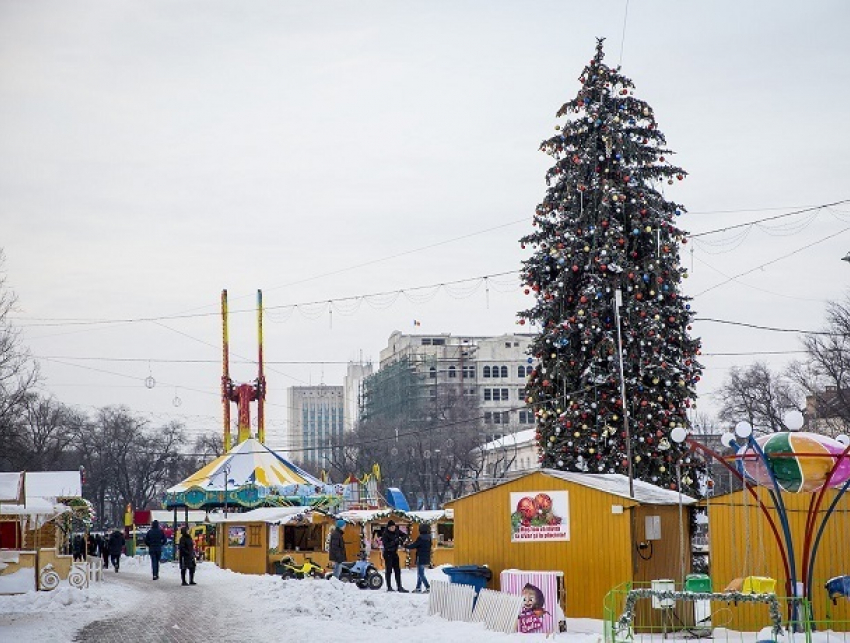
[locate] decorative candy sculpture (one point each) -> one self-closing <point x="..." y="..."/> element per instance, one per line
<point x="801" y="462"/>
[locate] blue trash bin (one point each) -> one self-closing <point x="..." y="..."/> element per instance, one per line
<point x="476" y="575"/>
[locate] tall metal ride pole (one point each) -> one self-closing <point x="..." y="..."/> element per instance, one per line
<point x="618" y="301"/>
<point x="225" y="372"/>
<point x="261" y="378"/>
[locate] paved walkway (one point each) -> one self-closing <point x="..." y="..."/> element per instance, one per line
<point x="169" y="612"/>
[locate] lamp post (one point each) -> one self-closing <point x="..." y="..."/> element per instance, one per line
<point x="618" y="301"/>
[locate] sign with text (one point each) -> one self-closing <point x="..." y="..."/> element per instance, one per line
<point x="540" y="516"/>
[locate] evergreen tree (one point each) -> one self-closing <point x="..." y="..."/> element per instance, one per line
<point x="605" y="226"/>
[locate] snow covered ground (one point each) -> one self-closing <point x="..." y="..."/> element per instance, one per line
<point x="311" y="610"/>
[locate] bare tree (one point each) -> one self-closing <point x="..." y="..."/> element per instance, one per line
<point x="825" y="374"/>
<point x="758" y="396"/>
<point x="18" y="372"/>
<point x="41" y="436"/>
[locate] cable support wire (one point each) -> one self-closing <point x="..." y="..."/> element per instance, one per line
<point x="746" y="285"/>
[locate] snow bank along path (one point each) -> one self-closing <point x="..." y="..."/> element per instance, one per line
<point x="229" y="607"/>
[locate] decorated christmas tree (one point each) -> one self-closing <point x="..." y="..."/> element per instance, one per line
<point x="605" y="227"/>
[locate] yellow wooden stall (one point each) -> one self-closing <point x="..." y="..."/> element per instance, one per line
<point x="253" y="541"/>
<point x="611" y="538"/>
<point x="742" y="544"/>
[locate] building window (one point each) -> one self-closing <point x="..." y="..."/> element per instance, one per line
<point x="507" y="344"/>
<point x="486" y="371"/>
<point x="526" y="417"/>
<point x="438" y="341"/>
<point x="432" y="392"/>
<point x="504" y="372"/>
<point x="426" y="341"/>
<point x="504" y="394"/>
<point x="520" y="393"/>
<point x="432" y="372"/>
<point x="469" y="371"/>
<point x="488" y="394"/>
<point x="469" y="391"/>
<point x="452" y="371"/>
<point x="497" y="418"/>
<point x="488" y="417"/>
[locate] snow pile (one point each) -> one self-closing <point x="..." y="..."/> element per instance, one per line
<point x="99" y="596"/>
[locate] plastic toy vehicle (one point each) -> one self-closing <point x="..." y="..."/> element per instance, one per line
<point x="287" y="568"/>
<point x="363" y="573"/>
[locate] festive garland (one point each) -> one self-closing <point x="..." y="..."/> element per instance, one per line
<point x="626" y="619"/>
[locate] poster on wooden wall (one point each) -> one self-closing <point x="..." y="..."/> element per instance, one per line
<point x="540" y="516"/>
<point x="236" y="536"/>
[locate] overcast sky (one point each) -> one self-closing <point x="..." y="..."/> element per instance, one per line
<point x="153" y="153"/>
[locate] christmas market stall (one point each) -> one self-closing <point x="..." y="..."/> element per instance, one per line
<point x="587" y="527"/>
<point x="255" y="541"/>
<point x="369" y="524"/>
<point x="35" y="530"/>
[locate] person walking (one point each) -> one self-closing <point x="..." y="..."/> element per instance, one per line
<point x="422" y="545"/>
<point x="103" y="549"/>
<point x="186" y="549"/>
<point x="155" y="540"/>
<point x="336" y="547"/>
<point x="116" y="545"/>
<point x="91" y="545"/>
<point x="391" y="539"/>
<point x="78" y="548"/>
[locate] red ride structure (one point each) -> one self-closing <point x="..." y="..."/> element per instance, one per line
<point x="242" y="394"/>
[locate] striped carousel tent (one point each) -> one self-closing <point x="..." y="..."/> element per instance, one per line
<point x="252" y="475"/>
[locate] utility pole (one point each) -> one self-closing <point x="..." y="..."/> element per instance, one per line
<point x="618" y="301"/>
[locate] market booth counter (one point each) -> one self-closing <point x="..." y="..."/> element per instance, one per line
<point x="371" y="523"/>
<point x="252" y="542"/>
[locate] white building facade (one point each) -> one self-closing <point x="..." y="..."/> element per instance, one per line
<point x="316" y="421"/>
<point x="493" y="370"/>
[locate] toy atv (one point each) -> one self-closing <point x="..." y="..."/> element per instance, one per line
<point x="287" y="568"/>
<point x="362" y="573"/>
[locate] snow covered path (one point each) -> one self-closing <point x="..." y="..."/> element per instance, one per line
<point x="166" y="611"/>
<point x="229" y="607"/>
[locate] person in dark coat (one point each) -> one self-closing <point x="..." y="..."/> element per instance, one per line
<point x="391" y="539"/>
<point x="103" y="549"/>
<point x="186" y="550"/>
<point x="91" y="545"/>
<point x="336" y="547"/>
<point x="155" y="540"/>
<point x="116" y="545"/>
<point x="78" y="548"/>
<point x="422" y="545"/>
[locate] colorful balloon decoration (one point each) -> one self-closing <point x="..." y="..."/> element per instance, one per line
<point x="801" y="461"/>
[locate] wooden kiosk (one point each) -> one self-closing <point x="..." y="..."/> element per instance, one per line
<point x="592" y="531"/>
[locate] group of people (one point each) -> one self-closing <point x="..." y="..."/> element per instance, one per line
<point x="107" y="547"/>
<point x="155" y="540"/>
<point x="391" y="540"/>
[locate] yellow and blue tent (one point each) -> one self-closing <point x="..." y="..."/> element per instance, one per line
<point x="251" y="475"/>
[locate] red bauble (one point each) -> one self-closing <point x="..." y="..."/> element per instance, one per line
<point x="526" y="507"/>
<point x="543" y="502"/>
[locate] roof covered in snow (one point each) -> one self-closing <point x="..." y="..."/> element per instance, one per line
<point x="11" y="487"/>
<point x="53" y="484"/>
<point x="618" y="485"/>
<point x="614" y="483"/>
<point x="511" y="440"/>
<point x="271" y="515"/>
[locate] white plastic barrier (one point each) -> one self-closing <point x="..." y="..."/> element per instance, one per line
<point x="452" y="601"/>
<point x="497" y="610"/>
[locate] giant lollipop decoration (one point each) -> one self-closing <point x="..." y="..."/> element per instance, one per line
<point x="800" y="462"/>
